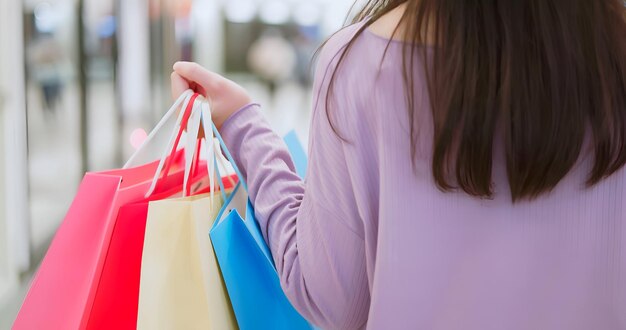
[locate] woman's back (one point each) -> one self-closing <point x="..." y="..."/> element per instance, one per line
<point x="446" y="260"/>
<point x="476" y="183"/>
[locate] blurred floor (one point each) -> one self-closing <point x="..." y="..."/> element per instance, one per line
<point x="54" y="152"/>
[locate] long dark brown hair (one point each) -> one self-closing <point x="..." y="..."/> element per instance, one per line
<point x="548" y="72"/>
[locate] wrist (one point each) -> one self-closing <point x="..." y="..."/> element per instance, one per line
<point x="232" y="117"/>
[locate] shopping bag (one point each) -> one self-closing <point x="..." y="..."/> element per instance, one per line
<point x="247" y="265"/>
<point x="63" y="289"/>
<point x="115" y="303"/>
<point x="117" y="296"/>
<point x="181" y="285"/>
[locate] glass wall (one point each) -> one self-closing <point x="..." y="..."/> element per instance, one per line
<point x="52" y="98"/>
<point x="14" y="240"/>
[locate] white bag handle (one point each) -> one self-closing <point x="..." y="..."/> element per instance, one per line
<point x="183" y="97"/>
<point x="170" y="145"/>
<point x="222" y="161"/>
<point x="193" y="126"/>
<point x="200" y="116"/>
<point x="205" y="115"/>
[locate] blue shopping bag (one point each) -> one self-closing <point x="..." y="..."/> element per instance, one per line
<point x="246" y="262"/>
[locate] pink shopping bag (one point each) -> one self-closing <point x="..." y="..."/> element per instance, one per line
<point x="64" y="285"/>
<point x="62" y="292"/>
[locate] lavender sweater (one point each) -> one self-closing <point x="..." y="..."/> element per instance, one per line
<point x="367" y="242"/>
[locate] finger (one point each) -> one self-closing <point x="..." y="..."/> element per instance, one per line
<point x="197" y="88"/>
<point x="179" y="85"/>
<point x="193" y="72"/>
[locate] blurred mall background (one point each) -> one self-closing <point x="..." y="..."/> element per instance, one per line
<point x="81" y="81"/>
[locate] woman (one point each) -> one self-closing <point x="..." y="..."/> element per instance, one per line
<point x="466" y="168"/>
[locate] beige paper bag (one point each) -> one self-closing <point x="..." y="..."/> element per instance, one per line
<point x="181" y="285"/>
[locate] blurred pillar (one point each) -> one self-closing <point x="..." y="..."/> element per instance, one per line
<point x="170" y="49"/>
<point x="134" y="58"/>
<point x="82" y="83"/>
<point x="14" y="216"/>
<point x="8" y="278"/>
<point x="208" y="34"/>
<point x="119" y="113"/>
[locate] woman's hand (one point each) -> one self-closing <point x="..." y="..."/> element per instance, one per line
<point x="225" y="96"/>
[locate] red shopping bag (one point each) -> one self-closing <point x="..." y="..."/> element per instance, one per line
<point x="117" y="309"/>
<point x="117" y="297"/>
<point x="62" y="292"/>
